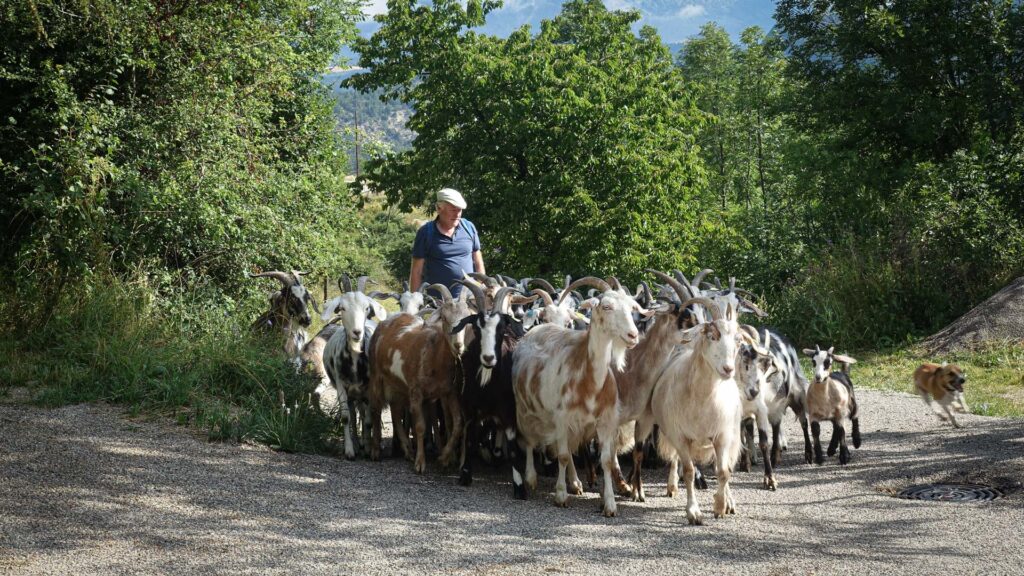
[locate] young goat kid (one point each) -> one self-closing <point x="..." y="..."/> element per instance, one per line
<point x="945" y="384"/>
<point x="830" y="397"/>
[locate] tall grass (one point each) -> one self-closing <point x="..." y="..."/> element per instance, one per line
<point x="116" y="341"/>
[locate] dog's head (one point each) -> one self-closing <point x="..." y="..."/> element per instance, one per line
<point x="950" y="377"/>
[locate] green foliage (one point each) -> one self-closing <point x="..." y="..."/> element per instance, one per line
<point x="574" y="147"/>
<point x="183" y="137"/>
<point x="116" y="344"/>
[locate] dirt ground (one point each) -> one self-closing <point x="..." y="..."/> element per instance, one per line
<point x="86" y="490"/>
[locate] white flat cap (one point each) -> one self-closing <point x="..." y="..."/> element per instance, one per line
<point x="451" y="196"/>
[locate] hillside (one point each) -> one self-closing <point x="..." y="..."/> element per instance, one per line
<point x="381" y="125"/>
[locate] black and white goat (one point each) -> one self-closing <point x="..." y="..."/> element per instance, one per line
<point x="486" y="392"/>
<point x="830" y="397"/>
<point x="788" y="389"/>
<point x="288" y="313"/>
<point x="346" y="356"/>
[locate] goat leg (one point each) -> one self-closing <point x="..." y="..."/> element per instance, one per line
<point x="747" y="445"/>
<point x="844" y="452"/>
<point x="819" y="458"/>
<point x="769" y="474"/>
<point x="776" y="446"/>
<point x="468" y="445"/>
<point x="518" y="457"/>
<point x="837" y="428"/>
<point x="808" y="456"/>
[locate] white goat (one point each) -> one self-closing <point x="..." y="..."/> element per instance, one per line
<point x="697" y="407"/>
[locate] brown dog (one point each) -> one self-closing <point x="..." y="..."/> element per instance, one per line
<point x="944" y="383"/>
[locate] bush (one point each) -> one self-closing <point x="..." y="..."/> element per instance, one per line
<point x="114" y="341"/>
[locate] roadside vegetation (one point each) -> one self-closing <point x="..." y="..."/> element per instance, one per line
<point x="859" y="169"/>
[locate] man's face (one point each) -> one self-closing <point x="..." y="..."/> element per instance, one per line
<point x="448" y="214"/>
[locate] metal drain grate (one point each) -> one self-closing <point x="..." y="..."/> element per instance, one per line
<point x="951" y="493"/>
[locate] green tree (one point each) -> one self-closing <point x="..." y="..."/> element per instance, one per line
<point x="183" y="136"/>
<point x="575" y="147"/>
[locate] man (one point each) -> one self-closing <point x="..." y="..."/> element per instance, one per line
<point x="446" y="247"/>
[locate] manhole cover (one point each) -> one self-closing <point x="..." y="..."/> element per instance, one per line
<point x="951" y="492"/>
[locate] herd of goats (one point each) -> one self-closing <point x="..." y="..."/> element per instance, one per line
<point x="523" y="370"/>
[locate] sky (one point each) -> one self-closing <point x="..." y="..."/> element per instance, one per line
<point x="675" y="20"/>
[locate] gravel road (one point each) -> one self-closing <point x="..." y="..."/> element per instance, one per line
<point x="86" y="490"/>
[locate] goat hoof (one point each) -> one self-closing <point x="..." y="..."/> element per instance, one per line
<point x="519" y="492"/>
<point x="420" y="467"/>
<point x="695" y="518"/>
<point x="844" y="456"/>
<point x="609" y="512"/>
<point x="770" y="483"/>
<point x="671" y="492"/>
<point x="576" y="489"/>
<point x="465" y="479"/>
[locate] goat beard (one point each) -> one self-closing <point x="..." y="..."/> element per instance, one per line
<point x="484" y="374"/>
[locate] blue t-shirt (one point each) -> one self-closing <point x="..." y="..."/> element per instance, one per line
<point x="446" y="259"/>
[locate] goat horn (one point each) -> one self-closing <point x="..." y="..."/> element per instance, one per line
<point x="700" y="276"/>
<point x="714" y="309"/>
<point x="378" y="295"/>
<point x="487" y="280"/>
<point x="361" y="283"/>
<point x="680" y="276"/>
<point x="751" y="332"/>
<point x="478" y="293"/>
<point x="613" y="282"/>
<point x="732" y="283"/>
<point x="499" y="298"/>
<point x="345" y="283"/>
<point x="446" y="294"/>
<point x="543" y="284"/>
<point x="753" y="308"/>
<point x="525" y="299"/>
<point x="585" y="281"/>
<point x="682" y="290"/>
<point x="509" y="281"/>
<point x="285" y="279"/>
<point x="544" y="295"/>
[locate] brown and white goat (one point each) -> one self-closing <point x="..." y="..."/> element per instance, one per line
<point x="945" y="384"/>
<point x="830" y="397"/>
<point x="697" y="407"/>
<point x="565" y="388"/>
<point x="412" y="361"/>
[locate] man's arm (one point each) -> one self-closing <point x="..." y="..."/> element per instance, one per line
<point x="416" y="273"/>
<point x="478" y="262"/>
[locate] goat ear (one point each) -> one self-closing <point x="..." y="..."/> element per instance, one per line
<point x="589" y="303"/>
<point x="329" y="308"/>
<point x="463" y="323"/>
<point x="844" y="358"/>
<point x="378" y="311"/>
<point x="687" y="336"/>
<point x="809" y="352"/>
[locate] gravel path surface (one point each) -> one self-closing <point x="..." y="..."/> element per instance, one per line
<point x="87" y="490"/>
